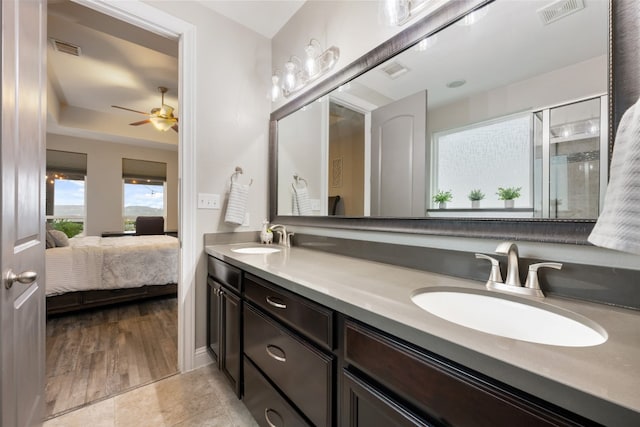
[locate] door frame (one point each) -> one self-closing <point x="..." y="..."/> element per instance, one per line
<point x="149" y="18"/>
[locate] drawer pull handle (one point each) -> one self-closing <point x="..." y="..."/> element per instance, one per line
<point x="273" y="301"/>
<point x="267" y="417"/>
<point x="272" y="351"/>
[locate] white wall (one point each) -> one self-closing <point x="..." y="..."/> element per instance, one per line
<point x="300" y="150"/>
<point x="336" y="23"/>
<point x="104" y="187"/>
<point x="581" y="80"/>
<point x="233" y="76"/>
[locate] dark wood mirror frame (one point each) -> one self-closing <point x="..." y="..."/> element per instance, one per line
<point x="624" y="89"/>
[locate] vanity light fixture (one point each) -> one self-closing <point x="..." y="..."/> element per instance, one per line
<point x="297" y="74"/>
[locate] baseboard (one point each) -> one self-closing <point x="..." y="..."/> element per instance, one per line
<point x="201" y="358"/>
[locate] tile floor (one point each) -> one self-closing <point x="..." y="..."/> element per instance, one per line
<point x="200" y="398"/>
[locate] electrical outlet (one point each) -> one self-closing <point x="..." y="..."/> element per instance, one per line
<point x="315" y="204"/>
<point x="246" y="222"/>
<point x="208" y="201"/>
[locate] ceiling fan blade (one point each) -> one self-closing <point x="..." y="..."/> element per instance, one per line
<point x="129" y="109"/>
<point x="141" y="122"/>
<point x="175" y="127"/>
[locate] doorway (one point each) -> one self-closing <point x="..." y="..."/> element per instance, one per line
<point x="152" y="19"/>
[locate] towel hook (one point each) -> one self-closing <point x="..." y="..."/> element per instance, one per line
<point x="238" y="171"/>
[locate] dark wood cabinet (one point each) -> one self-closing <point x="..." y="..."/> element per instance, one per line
<point x="213" y="319"/>
<point x="450" y="394"/>
<point x="309" y="318"/>
<point x="231" y="330"/>
<point x="268" y="407"/>
<point x="298" y="363"/>
<point x="303" y="373"/>
<point x="365" y="406"/>
<point x="224" y="326"/>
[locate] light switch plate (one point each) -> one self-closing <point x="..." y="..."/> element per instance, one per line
<point x="208" y="201"/>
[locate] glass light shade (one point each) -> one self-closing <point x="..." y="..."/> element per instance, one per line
<point x="311" y="63"/>
<point x="161" y="123"/>
<point x="290" y="76"/>
<point x="393" y="12"/>
<point x="275" y="88"/>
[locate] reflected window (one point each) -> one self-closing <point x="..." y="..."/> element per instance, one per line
<point x="485" y="156"/>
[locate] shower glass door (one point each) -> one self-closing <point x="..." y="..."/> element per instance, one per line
<point x="571" y="147"/>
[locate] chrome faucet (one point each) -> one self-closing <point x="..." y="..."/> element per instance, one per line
<point x="284" y="237"/>
<point x="512" y="283"/>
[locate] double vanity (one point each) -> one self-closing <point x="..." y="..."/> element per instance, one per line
<point x="308" y="337"/>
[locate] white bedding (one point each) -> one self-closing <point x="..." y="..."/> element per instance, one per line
<point x="93" y="262"/>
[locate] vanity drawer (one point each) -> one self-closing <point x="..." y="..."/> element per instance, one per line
<point x="265" y="403"/>
<point x="442" y="390"/>
<point x="300" y="371"/>
<point x="225" y="274"/>
<point x="303" y="315"/>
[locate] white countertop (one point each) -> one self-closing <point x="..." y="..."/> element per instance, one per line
<point x="600" y="382"/>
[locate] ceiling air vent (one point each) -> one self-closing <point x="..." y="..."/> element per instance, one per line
<point x="65" y="47"/>
<point x="559" y="9"/>
<point x="394" y="70"/>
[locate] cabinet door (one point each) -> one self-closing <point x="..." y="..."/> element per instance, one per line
<point x="230" y="362"/>
<point x="447" y="392"/>
<point x="365" y="406"/>
<point x="213" y="319"/>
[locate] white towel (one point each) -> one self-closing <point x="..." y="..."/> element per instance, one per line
<point x="294" y="204"/>
<point x="301" y="203"/>
<point x="237" y="205"/>
<point x="618" y="226"/>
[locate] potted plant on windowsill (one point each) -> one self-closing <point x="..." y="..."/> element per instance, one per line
<point x="475" y="196"/>
<point x="442" y="197"/>
<point x="508" y="194"/>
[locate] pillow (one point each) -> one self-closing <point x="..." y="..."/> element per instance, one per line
<point x="51" y="243"/>
<point x="59" y="238"/>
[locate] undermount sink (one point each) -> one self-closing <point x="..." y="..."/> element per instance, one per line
<point x="508" y="317"/>
<point x="256" y="250"/>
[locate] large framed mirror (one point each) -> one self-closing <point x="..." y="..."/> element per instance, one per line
<point x="481" y="100"/>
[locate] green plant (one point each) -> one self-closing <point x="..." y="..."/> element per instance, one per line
<point x="69" y="228"/>
<point x="443" y="196"/>
<point x="508" y="193"/>
<point x="475" y="194"/>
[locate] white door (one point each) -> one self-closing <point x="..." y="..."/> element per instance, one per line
<point x="398" y="157"/>
<point x="22" y="162"/>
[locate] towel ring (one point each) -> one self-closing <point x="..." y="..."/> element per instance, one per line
<point x="298" y="178"/>
<point x="238" y="171"/>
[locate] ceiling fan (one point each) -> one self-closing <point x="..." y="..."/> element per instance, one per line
<point x="161" y="118"/>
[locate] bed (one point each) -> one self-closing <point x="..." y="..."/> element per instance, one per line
<point x="95" y="271"/>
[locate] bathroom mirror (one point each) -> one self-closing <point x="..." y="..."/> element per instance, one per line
<point x="477" y="96"/>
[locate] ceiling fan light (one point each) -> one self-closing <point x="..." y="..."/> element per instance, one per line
<point x="162" y="124"/>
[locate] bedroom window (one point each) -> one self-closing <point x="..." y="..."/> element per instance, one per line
<point x="66" y="191"/>
<point x="144" y="190"/>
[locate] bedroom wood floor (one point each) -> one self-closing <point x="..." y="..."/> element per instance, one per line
<point x="95" y="354"/>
